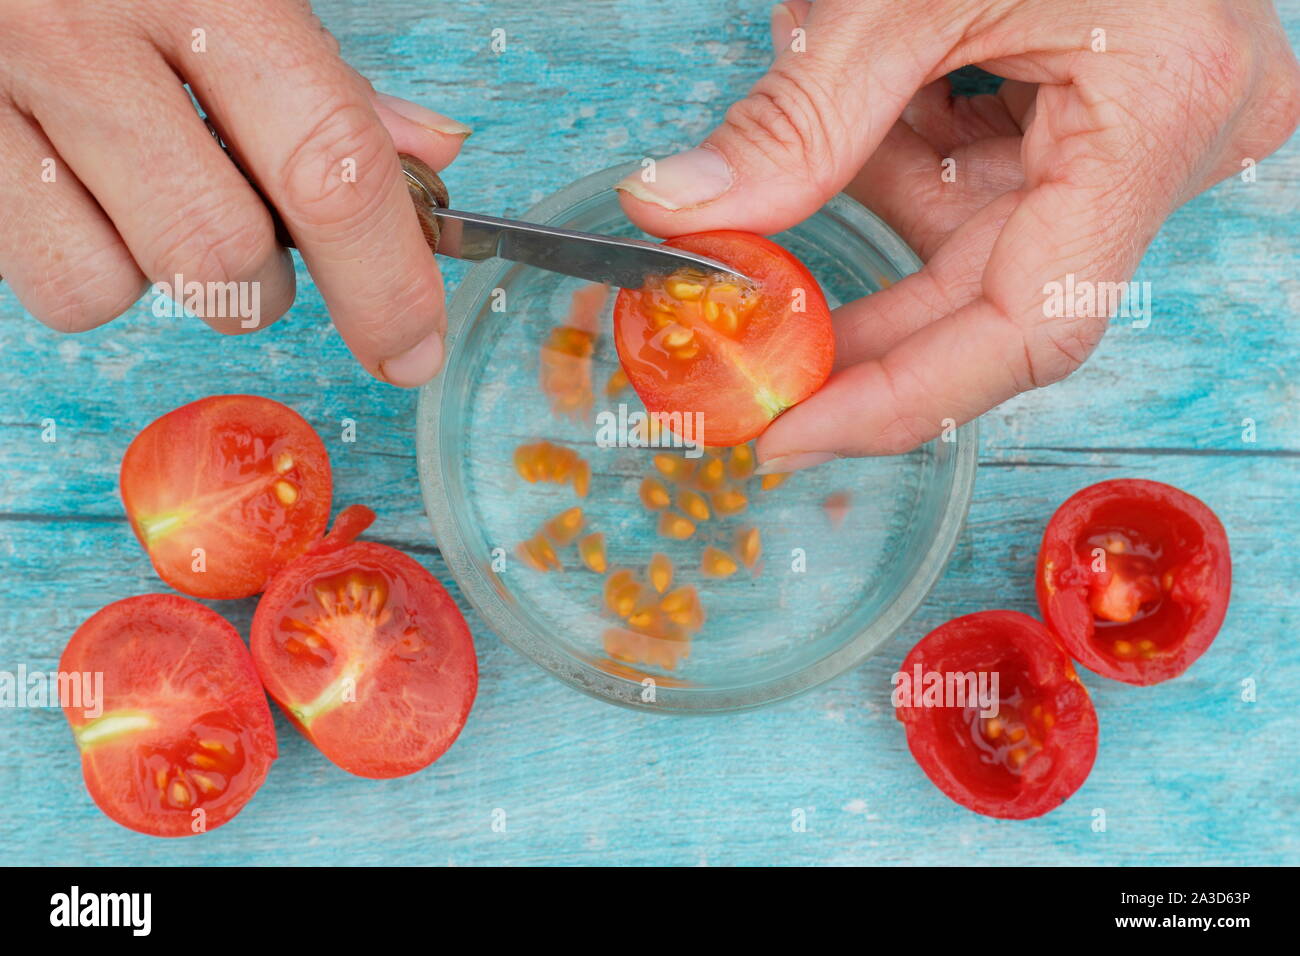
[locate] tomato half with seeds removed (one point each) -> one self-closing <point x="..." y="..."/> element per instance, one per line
<point x="367" y="653"/>
<point x="737" y="355"/>
<point x="1026" y="759"/>
<point x="226" y="491"/>
<point x="182" y="737"/>
<point x="1134" y="577"/>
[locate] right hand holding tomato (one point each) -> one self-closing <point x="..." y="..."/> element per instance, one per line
<point x="1071" y="168"/>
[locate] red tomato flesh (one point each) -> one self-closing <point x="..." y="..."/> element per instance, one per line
<point x="184" y="737"/>
<point x="242" y="478"/>
<point x="739" y="356"/>
<point x="1134" y="577"/>
<point x="1039" y="747"/>
<point x="367" y="654"/>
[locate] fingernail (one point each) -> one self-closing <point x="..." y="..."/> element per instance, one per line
<point x="688" y="179"/>
<point x="422" y="116"/>
<point x="416" y="365"/>
<point x="783" y="24"/>
<point x="796" y="462"/>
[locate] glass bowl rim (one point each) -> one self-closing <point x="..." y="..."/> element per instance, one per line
<point x="582" y="675"/>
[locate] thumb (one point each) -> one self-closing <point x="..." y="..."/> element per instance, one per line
<point x="847" y="70"/>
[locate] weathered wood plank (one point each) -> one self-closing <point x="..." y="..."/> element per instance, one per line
<point x="1187" y="772"/>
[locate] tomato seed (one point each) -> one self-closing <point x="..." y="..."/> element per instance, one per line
<point x="591" y="550"/>
<point x="660" y="572"/>
<point x="741" y="465"/>
<point x="693" y="504"/>
<point x="715" y="563"/>
<point x="654" y="495"/>
<point x="285" y="493"/>
<point x="675" y="526"/>
<point x="749" y="546"/>
<point x="729" y="502"/>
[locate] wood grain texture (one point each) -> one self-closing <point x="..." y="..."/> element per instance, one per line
<point x="1187" y="772"/>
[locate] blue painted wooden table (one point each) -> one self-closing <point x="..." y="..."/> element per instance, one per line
<point x="1188" y="771"/>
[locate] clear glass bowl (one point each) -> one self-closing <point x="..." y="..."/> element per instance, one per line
<point x="865" y="568"/>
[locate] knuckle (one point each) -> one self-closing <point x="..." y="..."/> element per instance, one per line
<point x="1049" y="348"/>
<point x="57" y="34"/>
<point x="1058" y="349"/>
<point x="408" y="298"/>
<point x="1282" y="105"/>
<point x="1223" y="63"/>
<point x="902" y="432"/>
<point x="1054" y="348"/>
<point x="786" y="118"/>
<point x="340" y="173"/>
<point x="213" y="240"/>
<point x="103" y="286"/>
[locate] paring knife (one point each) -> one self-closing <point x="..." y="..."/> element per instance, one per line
<point x="474" y="236"/>
<point x="468" y="235"/>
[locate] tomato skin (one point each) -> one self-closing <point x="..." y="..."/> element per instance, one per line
<point x="786" y="355"/>
<point x="1034" y="670"/>
<point x="207" y="476"/>
<point x="184" y="667"/>
<point x="398" y="637"/>
<point x="1192" y="548"/>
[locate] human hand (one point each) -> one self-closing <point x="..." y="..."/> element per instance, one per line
<point x="1071" y="168"/>
<point x="110" y="177"/>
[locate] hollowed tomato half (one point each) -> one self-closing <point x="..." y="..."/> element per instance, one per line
<point x="182" y="737"/>
<point x="226" y="491"/>
<point x="366" y="653"/>
<point x="731" y="355"/>
<point x="1027" y="752"/>
<point x="1134" y="577"/>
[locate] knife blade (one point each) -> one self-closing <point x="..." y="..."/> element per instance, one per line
<point x="612" y="260"/>
<point x="607" y="259"/>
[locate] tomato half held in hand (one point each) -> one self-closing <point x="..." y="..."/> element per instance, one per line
<point x="698" y="344"/>
<point x="367" y="653"/>
<point x="226" y="491"/>
<point x="1023" y="760"/>
<point x="1134" y="578"/>
<point x="182" y="737"/>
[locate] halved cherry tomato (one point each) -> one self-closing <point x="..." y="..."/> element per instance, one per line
<point x="367" y="653"/>
<point x="1039" y="747"/>
<point x="226" y="491"/>
<point x="1134" y="578"/>
<point x="739" y="355"/>
<point x="183" y="736"/>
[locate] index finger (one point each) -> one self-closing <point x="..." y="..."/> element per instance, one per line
<point x="310" y="132"/>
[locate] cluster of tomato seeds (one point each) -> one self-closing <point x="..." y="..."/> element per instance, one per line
<point x="686" y="301"/>
<point x="566" y="355"/>
<point x="540" y="551"/>
<point x="546" y="461"/>
<point x="701" y="490"/>
<point x="656" y="621"/>
<point x="656" y="624"/>
<point x="1012" y="737"/>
